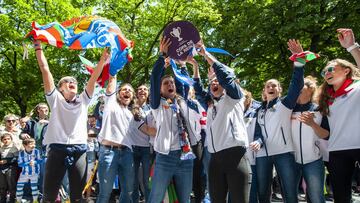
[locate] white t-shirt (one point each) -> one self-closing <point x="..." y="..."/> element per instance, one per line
<point x="115" y="122"/>
<point x="138" y="138"/>
<point x="68" y="121"/>
<point x="167" y="136"/>
<point x="344" y="120"/>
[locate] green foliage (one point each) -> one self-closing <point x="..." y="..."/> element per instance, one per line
<point x="255" y="31"/>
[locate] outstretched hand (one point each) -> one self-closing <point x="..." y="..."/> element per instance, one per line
<point x="164" y="45"/>
<point x="346" y="37"/>
<point x="294" y="46"/>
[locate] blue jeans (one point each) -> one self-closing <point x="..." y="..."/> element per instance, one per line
<point x="313" y="174"/>
<point x="285" y="167"/>
<point x="253" y="188"/>
<point x="112" y="162"/>
<point x="168" y="167"/>
<point x="141" y="155"/>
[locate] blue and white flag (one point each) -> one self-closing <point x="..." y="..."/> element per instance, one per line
<point x="184" y="78"/>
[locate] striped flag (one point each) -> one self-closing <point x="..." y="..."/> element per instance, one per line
<point x="84" y="33"/>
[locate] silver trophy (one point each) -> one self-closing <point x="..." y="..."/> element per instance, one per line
<point x="176" y="33"/>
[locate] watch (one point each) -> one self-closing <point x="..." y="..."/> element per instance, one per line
<point x="354" y="46"/>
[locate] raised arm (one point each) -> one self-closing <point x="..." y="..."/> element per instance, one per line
<point x="347" y="40"/>
<point x="224" y="74"/>
<point x="111" y="87"/>
<point x="227" y="80"/>
<point x="200" y="93"/>
<point x="157" y="73"/>
<point x="198" y="87"/>
<point x="202" y="51"/>
<point x="47" y="77"/>
<point x="195" y="66"/>
<point x="297" y="79"/>
<point x="92" y="81"/>
<point x="181" y="88"/>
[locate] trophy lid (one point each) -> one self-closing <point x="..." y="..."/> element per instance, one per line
<point x="183" y="36"/>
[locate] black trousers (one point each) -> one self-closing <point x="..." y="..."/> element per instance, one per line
<point x="229" y="172"/>
<point x="8" y="181"/>
<point x="198" y="179"/>
<point x="56" y="165"/>
<point x="341" y="169"/>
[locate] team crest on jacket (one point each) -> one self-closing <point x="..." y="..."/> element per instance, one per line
<point x="273" y="108"/>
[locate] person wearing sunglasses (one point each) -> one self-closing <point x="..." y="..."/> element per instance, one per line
<point x="339" y="100"/>
<point x="272" y="137"/>
<point x="226" y="136"/>
<point x="66" y="135"/>
<point x="11" y="126"/>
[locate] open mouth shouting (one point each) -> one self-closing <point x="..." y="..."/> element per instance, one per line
<point x="72" y="86"/>
<point x="171" y="90"/>
<point x="125" y="98"/>
<point x="215" y="88"/>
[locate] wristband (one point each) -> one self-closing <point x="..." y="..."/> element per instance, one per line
<point x="299" y="64"/>
<point x="354" y="46"/>
<point x="38" y="49"/>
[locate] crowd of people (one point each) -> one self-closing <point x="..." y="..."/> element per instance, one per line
<point x="213" y="144"/>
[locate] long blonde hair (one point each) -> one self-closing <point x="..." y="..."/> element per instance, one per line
<point x="323" y="92"/>
<point x="133" y="99"/>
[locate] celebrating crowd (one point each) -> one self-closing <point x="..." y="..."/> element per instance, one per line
<point x="213" y="144"/>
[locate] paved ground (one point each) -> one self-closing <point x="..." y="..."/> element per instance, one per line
<point x="356" y="199"/>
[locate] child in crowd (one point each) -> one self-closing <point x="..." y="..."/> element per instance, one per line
<point x="29" y="160"/>
<point x="8" y="160"/>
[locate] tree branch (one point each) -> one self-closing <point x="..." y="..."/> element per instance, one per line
<point x="156" y="40"/>
<point x="117" y="13"/>
<point x="8" y="58"/>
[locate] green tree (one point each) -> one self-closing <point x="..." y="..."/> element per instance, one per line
<point x="21" y="83"/>
<point x="141" y="21"/>
<point x="144" y="21"/>
<point x="257" y="31"/>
